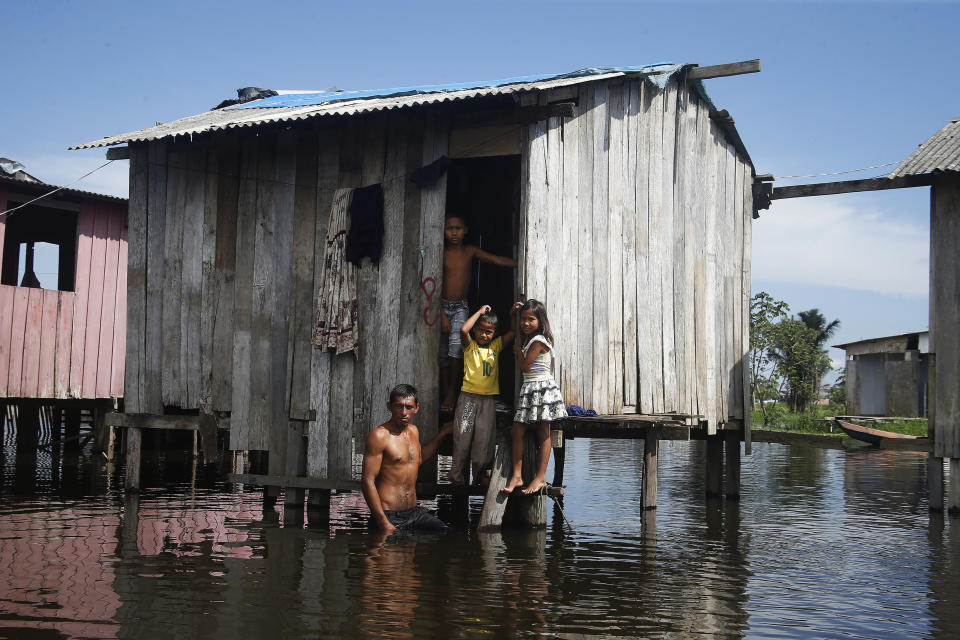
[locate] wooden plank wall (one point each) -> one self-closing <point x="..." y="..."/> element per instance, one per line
<point x="650" y="311"/>
<point x="945" y="316"/>
<point x="227" y="244"/>
<point x="70" y="344"/>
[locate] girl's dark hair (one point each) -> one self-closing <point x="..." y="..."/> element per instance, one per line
<point x="540" y="311"/>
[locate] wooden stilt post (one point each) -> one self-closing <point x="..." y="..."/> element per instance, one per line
<point x="732" y="455"/>
<point x="531" y="511"/>
<point x="935" y="482"/>
<point x="953" y="492"/>
<point x="495" y="502"/>
<point x="559" y="456"/>
<point x="318" y="507"/>
<point x="72" y="429"/>
<point x="103" y="433"/>
<point x="131" y="480"/>
<point x="714" y="465"/>
<point x="651" y="449"/>
<point x="295" y="465"/>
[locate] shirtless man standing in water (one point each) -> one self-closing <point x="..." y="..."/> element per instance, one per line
<point x="391" y="460"/>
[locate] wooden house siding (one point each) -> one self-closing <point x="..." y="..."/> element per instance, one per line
<point x="635" y="232"/>
<point x="636" y="238"/>
<point x="69" y="344"/>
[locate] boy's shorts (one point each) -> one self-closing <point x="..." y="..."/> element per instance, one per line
<point x="457" y="312"/>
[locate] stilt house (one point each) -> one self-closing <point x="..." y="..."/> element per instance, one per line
<point x="625" y="195"/>
<point x="66" y="338"/>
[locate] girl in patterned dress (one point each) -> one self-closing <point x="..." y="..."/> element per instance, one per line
<point x="540" y="400"/>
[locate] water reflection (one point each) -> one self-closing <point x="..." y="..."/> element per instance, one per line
<point x="822" y="543"/>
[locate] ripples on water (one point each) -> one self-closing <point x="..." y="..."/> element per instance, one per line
<point x="823" y="543"/>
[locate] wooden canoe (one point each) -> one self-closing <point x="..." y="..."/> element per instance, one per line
<point x="866" y="434"/>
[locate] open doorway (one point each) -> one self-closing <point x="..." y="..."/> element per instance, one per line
<point x="487" y="192"/>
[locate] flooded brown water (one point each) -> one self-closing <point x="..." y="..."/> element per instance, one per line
<point x="823" y="543"/>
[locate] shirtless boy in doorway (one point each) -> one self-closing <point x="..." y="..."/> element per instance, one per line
<point x="457" y="262"/>
<point x="391" y="460"/>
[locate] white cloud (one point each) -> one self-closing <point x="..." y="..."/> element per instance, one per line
<point x="824" y="241"/>
<point x="62" y="169"/>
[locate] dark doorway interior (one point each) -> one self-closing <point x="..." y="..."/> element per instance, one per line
<point x="487" y="192"/>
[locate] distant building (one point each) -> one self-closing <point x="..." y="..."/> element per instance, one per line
<point x="888" y="376"/>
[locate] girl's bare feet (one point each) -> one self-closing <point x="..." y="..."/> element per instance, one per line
<point x="513" y="483"/>
<point x="535" y="486"/>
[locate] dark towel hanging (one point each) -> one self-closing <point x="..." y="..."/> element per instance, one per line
<point x="427" y="176"/>
<point x="365" y="238"/>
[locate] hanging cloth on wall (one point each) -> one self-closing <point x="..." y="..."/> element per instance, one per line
<point x="366" y="225"/>
<point x="337" y="327"/>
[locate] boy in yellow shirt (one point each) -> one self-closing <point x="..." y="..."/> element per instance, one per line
<point x="474" y="421"/>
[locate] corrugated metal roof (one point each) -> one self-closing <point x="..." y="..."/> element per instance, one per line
<point x="938" y="154"/>
<point x="34" y="189"/>
<point x="291" y="106"/>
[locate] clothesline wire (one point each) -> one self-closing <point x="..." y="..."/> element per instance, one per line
<point x="836" y="173"/>
<point x="50" y="193"/>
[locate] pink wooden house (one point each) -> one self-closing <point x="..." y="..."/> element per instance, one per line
<point x="64" y="337"/>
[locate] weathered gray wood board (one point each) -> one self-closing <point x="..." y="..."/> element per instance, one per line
<point x="945" y="315"/>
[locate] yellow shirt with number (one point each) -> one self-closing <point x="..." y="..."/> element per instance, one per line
<point x="480" y="367"/>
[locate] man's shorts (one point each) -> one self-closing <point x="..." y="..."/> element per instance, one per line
<point x="414" y="519"/>
<point x="457" y="311"/>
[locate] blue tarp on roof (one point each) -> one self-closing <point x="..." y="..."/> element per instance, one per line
<point x="662" y="74"/>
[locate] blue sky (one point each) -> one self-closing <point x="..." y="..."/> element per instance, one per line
<point x="844" y="85"/>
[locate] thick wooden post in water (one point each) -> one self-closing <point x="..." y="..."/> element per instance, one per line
<point x="131" y="481"/>
<point x="559" y="456"/>
<point x="935" y="482"/>
<point x="651" y="448"/>
<point x="714" y="464"/>
<point x="732" y="455"/>
<point x="514" y="508"/>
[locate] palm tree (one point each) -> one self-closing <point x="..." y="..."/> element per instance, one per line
<point x="816" y="321"/>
